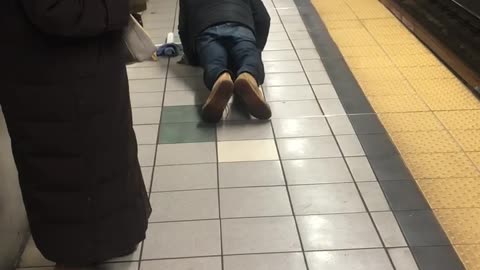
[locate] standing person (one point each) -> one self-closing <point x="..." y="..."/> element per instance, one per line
<point x="226" y="37"/>
<point x="65" y="98"/>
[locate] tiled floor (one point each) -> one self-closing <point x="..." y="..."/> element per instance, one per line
<point x="294" y="193"/>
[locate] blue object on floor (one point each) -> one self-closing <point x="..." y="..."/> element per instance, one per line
<point x="169" y="50"/>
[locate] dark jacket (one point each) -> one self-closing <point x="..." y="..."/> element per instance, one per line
<point x="65" y="98"/>
<point x="197" y="15"/>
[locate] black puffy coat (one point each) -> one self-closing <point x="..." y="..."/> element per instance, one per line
<point x="197" y="15"/>
<point x="64" y="93"/>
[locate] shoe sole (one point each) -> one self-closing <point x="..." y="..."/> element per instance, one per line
<point x="214" y="107"/>
<point x="257" y="107"/>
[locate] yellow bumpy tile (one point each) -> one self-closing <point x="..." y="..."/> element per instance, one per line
<point x="352" y="37"/>
<point x="468" y="139"/>
<point x="369" y="62"/>
<point x="425" y="142"/>
<point x="415" y="60"/>
<point x="475" y="157"/>
<point x="358" y="51"/>
<point x="345" y="24"/>
<point x="405" y="122"/>
<point x="461" y="225"/>
<point x="445" y="94"/>
<point x="460" y="119"/>
<point x="385" y="104"/>
<point x="377" y="74"/>
<point x="426" y="73"/>
<point x="451" y="192"/>
<point x="387" y="88"/>
<point x="470" y="256"/>
<point x="404" y="49"/>
<point x="440" y="165"/>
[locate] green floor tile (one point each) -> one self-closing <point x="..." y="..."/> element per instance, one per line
<point x="186" y="133"/>
<point x="181" y="114"/>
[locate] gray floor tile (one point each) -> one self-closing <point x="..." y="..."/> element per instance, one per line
<point x="284" y="55"/>
<point x="143" y="116"/>
<point x="184" y="205"/>
<point x="185" y="177"/>
<point x="244" y="130"/>
<point x="369" y="259"/>
<point x="146" y="134"/>
<point x="437" y="258"/>
<point x="186" y="153"/>
<point x="299" y="35"/>
<point x="361" y="169"/>
<point x="242" y="174"/>
<point x="283" y="66"/>
<point x="276" y="27"/>
<point x="316" y="171"/>
<point x="389" y="230"/>
<point x="332" y="107"/>
<point x="312" y="65"/>
<point x="32" y="257"/>
<point x="287" y="93"/>
<point x="303" y="43"/>
<point x="346" y="231"/>
<point x="326" y="199"/>
<point x="186" y="83"/>
<point x="260" y="235"/>
<point x="180" y="70"/>
<point x="152" y="85"/>
<point x="350" y="145"/>
<point x="182" y="239"/>
<point x="208" y="263"/>
<point x="286" y="19"/>
<point x="153" y="99"/>
<point x="294" y="27"/>
<point x="146" y="155"/>
<point x="373" y="196"/>
<point x="182" y="98"/>
<point x="340" y="125"/>
<point x="312" y="147"/>
<point x="273" y="45"/>
<point x="295" y="109"/>
<point x="308" y="54"/>
<point x="142" y="73"/>
<point x="301" y="127"/>
<point x="255" y="202"/>
<point x="285" y="79"/>
<point x="402" y="259"/>
<point x="147" y="176"/>
<point x="285" y="261"/>
<point x="318" y="77"/>
<point x="278" y="36"/>
<point x="325" y="91"/>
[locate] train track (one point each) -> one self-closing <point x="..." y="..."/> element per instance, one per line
<point x="450" y="28"/>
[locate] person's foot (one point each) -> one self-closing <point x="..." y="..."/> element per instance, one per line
<point x="247" y="88"/>
<point x="218" y="99"/>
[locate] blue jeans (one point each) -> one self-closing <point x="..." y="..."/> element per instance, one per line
<point x="229" y="48"/>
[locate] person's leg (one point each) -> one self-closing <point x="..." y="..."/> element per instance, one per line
<point x="249" y="70"/>
<point x="213" y="57"/>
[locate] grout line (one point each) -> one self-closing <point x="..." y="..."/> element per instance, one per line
<point x="158" y="139"/>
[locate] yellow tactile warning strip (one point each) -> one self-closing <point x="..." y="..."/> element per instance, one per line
<point x="432" y="118"/>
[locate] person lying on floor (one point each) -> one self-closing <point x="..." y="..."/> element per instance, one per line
<point x="226" y="38"/>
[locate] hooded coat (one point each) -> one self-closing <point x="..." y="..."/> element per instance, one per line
<point x="65" y="98"/>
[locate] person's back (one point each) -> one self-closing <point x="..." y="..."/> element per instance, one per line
<point x="226" y="38"/>
<point x="65" y="98"/>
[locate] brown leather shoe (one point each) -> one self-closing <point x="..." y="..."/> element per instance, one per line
<point x="247" y="88"/>
<point x="218" y="99"/>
